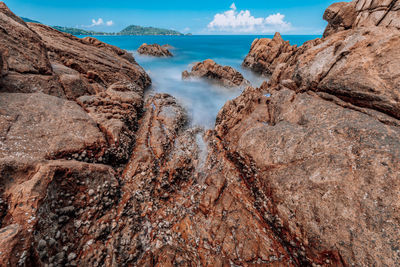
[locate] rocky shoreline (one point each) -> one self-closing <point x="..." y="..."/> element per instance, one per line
<point x="303" y="171"/>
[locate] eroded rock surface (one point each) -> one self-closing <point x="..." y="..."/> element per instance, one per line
<point x="265" y="54"/>
<point x="37" y="126"/>
<point x="154" y="50"/>
<point x="362" y="13"/>
<point x="223" y="75"/>
<point x="37" y="58"/>
<point x="319" y="163"/>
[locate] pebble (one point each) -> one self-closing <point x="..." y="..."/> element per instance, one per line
<point x="41" y="245"/>
<point x="52" y="242"/>
<point x="71" y="256"/>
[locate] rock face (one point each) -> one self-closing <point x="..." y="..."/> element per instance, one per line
<point x="315" y="165"/>
<point x="37" y="126"/>
<point x="362" y="13"/>
<point x="302" y="171"/>
<point x="37" y="58"/>
<point x="223" y="75"/>
<point x="265" y="54"/>
<point x="155" y="50"/>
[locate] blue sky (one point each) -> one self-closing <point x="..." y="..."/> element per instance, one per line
<point x="197" y="17"/>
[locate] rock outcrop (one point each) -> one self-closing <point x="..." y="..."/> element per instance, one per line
<point x="37" y="58"/>
<point x="223" y="75"/>
<point x="362" y="13"/>
<point x="154" y="50"/>
<point x="265" y="54"/>
<point x="302" y="171"/>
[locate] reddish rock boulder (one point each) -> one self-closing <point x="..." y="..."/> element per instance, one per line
<point x="362" y="13"/>
<point x="334" y="67"/>
<point x="99" y="64"/>
<point x="23" y="56"/>
<point x="49" y="216"/>
<point x="38" y="126"/>
<point x="155" y="50"/>
<point x="25" y="64"/>
<point x="223" y="75"/>
<point x="265" y="54"/>
<point x="116" y="111"/>
<point x="317" y="165"/>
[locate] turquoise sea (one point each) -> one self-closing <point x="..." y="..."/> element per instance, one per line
<point x="201" y="99"/>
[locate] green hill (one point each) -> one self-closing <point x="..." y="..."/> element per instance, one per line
<point x="138" y="30"/>
<point x="30" y="20"/>
<point x="130" y="30"/>
<point x="75" y="31"/>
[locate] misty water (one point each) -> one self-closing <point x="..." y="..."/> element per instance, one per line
<point x="201" y="99"/>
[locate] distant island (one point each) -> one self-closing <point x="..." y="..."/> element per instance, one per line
<point x="130" y="30"/>
<point x="29" y="20"/>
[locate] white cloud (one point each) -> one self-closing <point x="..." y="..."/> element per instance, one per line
<point x="187" y="29"/>
<point x="99" y="22"/>
<point x="243" y="22"/>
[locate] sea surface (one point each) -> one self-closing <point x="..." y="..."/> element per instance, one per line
<point x="201" y="99"/>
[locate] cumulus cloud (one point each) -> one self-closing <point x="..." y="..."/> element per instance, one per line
<point x="243" y="22"/>
<point x="99" y="22"/>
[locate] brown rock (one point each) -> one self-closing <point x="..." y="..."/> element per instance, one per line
<point x="340" y="16"/>
<point x="334" y="67"/>
<point x="320" y="164"/>
<point x="38" y="126"/>
<point x="25" y="64"/>
<point x="362" y="13"/>
<point x="154" y="50"/>
<point x="47" y="207"/>
<point x="265" y="54"/>
<point x="224" y="75"/>
<point x="116" y="111"/>
<point x="26" y="55"/>
<point x="11" y="241"/>
<point x="98" y="63"/>
<point x="73" y="83"/>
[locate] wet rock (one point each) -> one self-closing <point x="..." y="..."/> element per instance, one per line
<point x="223" y="75"/>
<point x="154" y="50"/>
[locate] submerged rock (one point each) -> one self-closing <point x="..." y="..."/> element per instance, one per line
<point x="154" y="50"/>
<point x="223" y="75"/>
